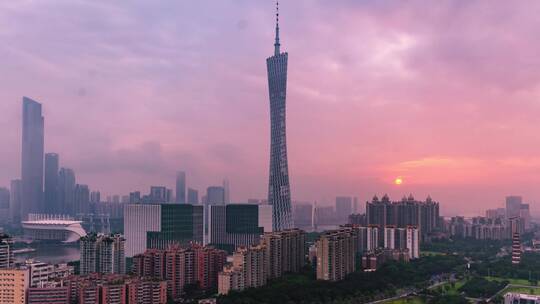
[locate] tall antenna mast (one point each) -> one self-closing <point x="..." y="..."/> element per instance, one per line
<point x="276" y="44"/>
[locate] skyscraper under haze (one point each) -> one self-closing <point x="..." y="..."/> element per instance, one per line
<point x="279" y="190"/>
<point x="32" y="158"/>
<point x="51" y="183"/>
<point x="15" y="196"/>
<point x="4" y="205"/>
<point x="215" y="195"/>
<point x="343" y="208"/>
<point x="513" y="206"/>
<point x="66" y="191"/>
<point x="181" y="187"/>
<point x="192" y="196"/>
<point x="227" y="191"/>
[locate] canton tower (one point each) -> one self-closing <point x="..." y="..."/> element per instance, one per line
<point x="279" y="189"/>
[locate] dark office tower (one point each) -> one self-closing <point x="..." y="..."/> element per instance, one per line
<point x="215" y="195"/>
<point x="192" y="196"/>
<point x="181" y="187"/>
<point x="279" y="190"/>
<point x="51" y="183"/>
<point x="15" y="194"/>
<point x="32" y="158"/>
<point x="66" y="191"/>
<point x="82" y="199"/>
<point x="179" y="224"/>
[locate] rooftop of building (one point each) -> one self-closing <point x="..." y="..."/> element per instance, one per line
<point x="52" y="222"/>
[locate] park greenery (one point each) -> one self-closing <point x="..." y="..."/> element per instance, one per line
<point x="526" y="273"/>
<point x="479" y="287"/>
<point x="469" y="247"/>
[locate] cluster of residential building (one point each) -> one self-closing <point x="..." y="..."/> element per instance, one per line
<point x="337" y="252"/>
<point x="253" y="265"/>
<point x="406" y="212"/>
<point x="179" y="267"/>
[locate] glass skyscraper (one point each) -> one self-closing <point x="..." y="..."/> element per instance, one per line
<point x="32" y="158"/>
<point x="279" y="190"/>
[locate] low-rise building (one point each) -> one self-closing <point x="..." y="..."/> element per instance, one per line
<point x="13" y="285"/>
<point x="521" y="298"/>
<point x="49" y="295"/>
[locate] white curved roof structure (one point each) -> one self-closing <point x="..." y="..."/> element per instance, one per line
<point x="66" y="231"/>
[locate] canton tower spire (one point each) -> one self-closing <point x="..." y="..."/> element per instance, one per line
<point x="279" y="189"/>
<point x="276" y="44"/>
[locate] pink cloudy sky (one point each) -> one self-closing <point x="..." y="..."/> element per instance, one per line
<point x="445" y="95"/>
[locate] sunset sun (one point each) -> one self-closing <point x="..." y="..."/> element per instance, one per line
<point x="398" y="181"/>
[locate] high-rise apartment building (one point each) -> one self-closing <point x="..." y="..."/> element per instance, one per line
<point x="192" y="196"/>
<point x="210" y="262"/>
<point x="251" y="260"/>
<point x="367" y="237"/>
<point x="343" y="208"/>
<point x="161" y="225"/>
<point x="230" y="279"/>
<point x="181" y="267"/>
<point x="6" y="251"/>
<point x="336" y="254"/>
<point x="13" y="285"/>
<point x="279" y="189"/>
<point x="390" y="237"/>
<point x="102" y="254"/>
<point x="15" y="197"/>
<point x="407" y="212"/>
<point x="52" y="166"/>
<point x="285" y="252"/>
<point x="181" y="187"/>
<point x="32" y="158"/>
<point x="413" y="242"/>
<point x="234" y="225"/>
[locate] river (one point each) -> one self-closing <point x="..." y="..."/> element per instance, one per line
<point x="51" y="253"/>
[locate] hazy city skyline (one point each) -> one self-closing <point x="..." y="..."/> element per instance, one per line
<point x="131" y="94"/>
